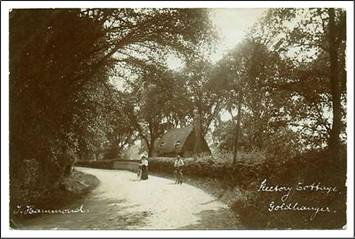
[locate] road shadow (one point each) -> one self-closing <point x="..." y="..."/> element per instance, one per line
<point x="221" y="219"/>
<point x="208" y="202"/>
<point x="104" y="214"/>
<point x="134" y="180"/>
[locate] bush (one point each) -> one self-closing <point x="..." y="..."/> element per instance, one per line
<point x="104" y="164"/>
<point x="243" y="174"/>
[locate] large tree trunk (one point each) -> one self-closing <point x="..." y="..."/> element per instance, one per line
<point x="152" y="139"/>
<point x="151" y="150"/>
<point x="237" y="133"/>
<point x="197" y="132"/>
<point x="334" y="142"/>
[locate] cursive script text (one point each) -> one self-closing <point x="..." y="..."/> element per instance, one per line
<point x="31" y="210"/>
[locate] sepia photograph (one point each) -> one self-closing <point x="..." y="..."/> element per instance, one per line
<point x="178" y="118"/>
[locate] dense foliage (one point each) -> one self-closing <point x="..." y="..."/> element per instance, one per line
<point x="62" y="103"/>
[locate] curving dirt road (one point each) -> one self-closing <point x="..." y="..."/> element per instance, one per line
<point x="121" y="202"/>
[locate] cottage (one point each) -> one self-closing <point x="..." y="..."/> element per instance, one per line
<point x="180" y="141"/>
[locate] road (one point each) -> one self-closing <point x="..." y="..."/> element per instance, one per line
<point x="121" y="202"/>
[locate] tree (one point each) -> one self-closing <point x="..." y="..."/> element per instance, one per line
<point x="153" y="97"/>
<point x="48" y="49"/>
<point x="70" y="52"/>
<point x="152" y="83"/>
<point x="245" y="76"/>
<point x="223" y="135"/>
<point x="121" y="131"/>
<point x="102" y="123"/>
<point x="201" y="92"/>
<point x="310" y="38"/>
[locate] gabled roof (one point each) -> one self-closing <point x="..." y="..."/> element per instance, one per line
<point x="173" y="139"/>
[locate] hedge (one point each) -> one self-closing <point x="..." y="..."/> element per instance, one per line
<point x="243" y="173"/>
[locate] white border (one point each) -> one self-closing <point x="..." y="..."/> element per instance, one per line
<point x="6" y="6"/>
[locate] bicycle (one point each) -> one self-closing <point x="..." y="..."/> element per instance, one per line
<point x="178" y="176"/>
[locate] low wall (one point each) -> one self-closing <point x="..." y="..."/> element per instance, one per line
<point x="104" y="164"/>
<point x="131" y="165"/>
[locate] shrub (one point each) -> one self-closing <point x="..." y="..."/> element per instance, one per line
<point x="308" y="168"/>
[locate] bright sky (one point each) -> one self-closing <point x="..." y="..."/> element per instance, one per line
<point x="231" y="24"/>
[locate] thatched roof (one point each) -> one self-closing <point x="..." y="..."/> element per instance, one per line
<point x="173" y="140"/>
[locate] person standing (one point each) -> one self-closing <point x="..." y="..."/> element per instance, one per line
<point x="144" y="165"/>
<point x="139" y="171"/>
